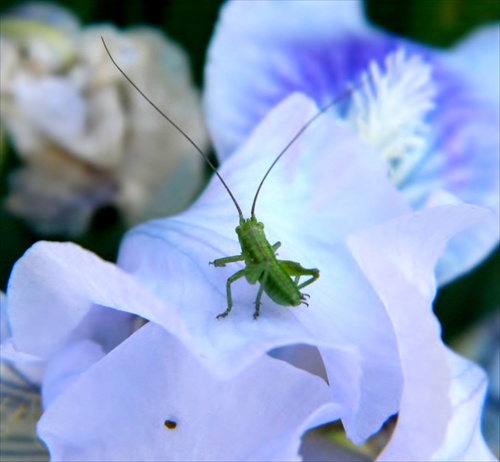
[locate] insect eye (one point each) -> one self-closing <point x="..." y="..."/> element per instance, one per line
<point x="260" y="225"/>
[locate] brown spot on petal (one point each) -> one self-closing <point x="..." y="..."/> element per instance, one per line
<point x="170" y="424"/>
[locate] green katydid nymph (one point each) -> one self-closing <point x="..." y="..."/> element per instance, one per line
<point x="279" y="279"/>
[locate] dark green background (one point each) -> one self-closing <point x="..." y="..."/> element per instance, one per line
<point x="190" y="22"/>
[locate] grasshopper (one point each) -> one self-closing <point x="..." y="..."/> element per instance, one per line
<point x="261" y="265"/>
<point x="279" y="279"/>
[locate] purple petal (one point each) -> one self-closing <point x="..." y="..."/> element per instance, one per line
<point x="241" y="87"/>
<point x="127" y="398"/>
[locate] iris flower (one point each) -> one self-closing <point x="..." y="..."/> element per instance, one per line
<point x="432" y="114"/>
<point x="188" y="386"/>
<point x="369" y="318"/>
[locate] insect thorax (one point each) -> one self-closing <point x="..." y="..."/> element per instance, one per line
<point x="253" y="241"/>
<point x="257" y="251"/>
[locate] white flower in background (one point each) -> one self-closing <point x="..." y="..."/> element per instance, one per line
<point x="86" y="137"/>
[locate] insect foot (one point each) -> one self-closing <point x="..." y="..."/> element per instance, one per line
<point x="223" y="315"/>
<point x="216" y="263"/>
<point x="257" y="311"/>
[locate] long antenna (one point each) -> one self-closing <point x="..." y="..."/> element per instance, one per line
<point x="299" y="133"/>
<point x="175" y="126"/>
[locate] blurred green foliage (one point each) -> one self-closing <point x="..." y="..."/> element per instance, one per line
<point x="435" y="22"/>
<point x="191" y="22"/>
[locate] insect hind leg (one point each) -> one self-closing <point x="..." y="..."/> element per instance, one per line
<point x="293" y="268"/>
<point x="259" y="295"/>
<point x="314" y="277"/>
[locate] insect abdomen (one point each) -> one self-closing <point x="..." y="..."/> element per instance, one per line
<point x="280" y="287"/>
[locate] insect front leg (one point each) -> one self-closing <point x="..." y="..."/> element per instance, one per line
<point x="239" y="274"/>
<point x="219" y="262"/>
<point x="257" y="273"/>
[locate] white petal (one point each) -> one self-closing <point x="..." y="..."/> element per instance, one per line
<point x="53" y="105"/>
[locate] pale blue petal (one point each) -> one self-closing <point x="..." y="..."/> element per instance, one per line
<point x="5" y="331"/>
<point x="345" y="332"/>
<point x="59" y="294"/>
<point x="463" y="159"/>
<point x="328" y="185"/>
<point x="405" y="251"/>
<point x="464" y="440"/>
<point x="29" y="368"/>
<point x="471" y="140"/>
<point x="295" y="18"/>
<point x="477" y="58"/>
<point x="66" y="367"/>
<point x="124" y="400"/>
<point x="466" y="250"/>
